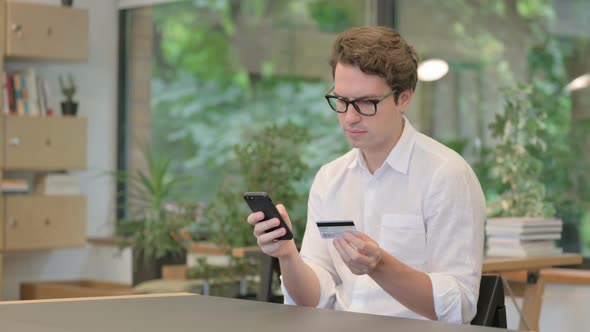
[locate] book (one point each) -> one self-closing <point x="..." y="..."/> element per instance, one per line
<point x="532" y="236"/>
<point x="522" y="222"/>
<point x="57" y="184"/>
<point x="523" y="252"/>
<point x="10" y="94"/>
<point x="30" y="77"/>
<point x="508" y="230"/>
<point x="42" y="96"/>
<point x="18" y="94"/>
<point x="14" y="185"/>
<point x="48" y="97"/>
<point x="518" y="243"/>
<point x="24" y="93"/>
<point x="5" y="106"/>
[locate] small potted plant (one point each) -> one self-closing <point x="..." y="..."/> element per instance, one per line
<point x="69" y="107"/>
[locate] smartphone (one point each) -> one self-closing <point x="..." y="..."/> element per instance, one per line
<point x="260" y="201"/>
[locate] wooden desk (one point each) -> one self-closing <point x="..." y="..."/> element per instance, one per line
<point x="532" y="290"/>
<point x="200" y="313"/>
<point x="492" y="264"/>
<point x="94" y="298"/>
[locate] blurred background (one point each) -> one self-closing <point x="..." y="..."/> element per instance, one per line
<point x="207" y="77"/>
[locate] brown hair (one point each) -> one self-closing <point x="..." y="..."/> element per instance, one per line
<point x="378" y="51"/>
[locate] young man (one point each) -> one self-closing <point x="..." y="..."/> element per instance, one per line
<point x="417" y="205"/>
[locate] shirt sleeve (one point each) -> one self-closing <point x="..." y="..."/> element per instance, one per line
<point x="455" y="215"/>
<point x="314" y="251"/>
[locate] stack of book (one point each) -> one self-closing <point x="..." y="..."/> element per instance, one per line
<point x="57" y="184"/>
<point x="523" y="237"/>
<point x="26" y="93"/>
<point x="14" y="186"/>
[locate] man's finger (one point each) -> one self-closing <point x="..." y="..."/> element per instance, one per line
<point x="363" y="236"/>
<point x="254" y="218"/>
<point x="357" y="242"/>
<point x="339" y="247"/>
<point x="271" y="236"/>
<point x="284" y="214"/>
<point x="261" y="227"/>
<point x="356" y="256"/>
<point x="350" y="251"/>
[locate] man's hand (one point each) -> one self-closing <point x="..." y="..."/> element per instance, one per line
<point x="268" y="241"/>
<point x="361" y="254"/>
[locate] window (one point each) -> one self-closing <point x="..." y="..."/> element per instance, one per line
<point x="205" y="75"/>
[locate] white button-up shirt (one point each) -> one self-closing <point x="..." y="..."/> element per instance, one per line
<point x="424" y="206"/>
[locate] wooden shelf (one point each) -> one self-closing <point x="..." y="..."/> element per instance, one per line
<point x="34" y="143"/>
<point x="33" y="222"/>
<point x="107" y="241"/>
<point x="38" y="31"/>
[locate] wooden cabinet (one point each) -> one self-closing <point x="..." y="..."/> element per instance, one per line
<point x="32" y="31"/>
<point x="43" y="222"/>
<point x="1" y="273"/>
<point x="2" y="32"/>
<point x="44" y="143"/>
<point x="2" y="217"/>
<point x="45" y="31"/>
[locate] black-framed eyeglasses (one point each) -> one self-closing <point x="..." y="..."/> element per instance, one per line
<point x="364" y="106"/>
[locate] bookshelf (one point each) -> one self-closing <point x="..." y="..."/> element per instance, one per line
<point x="40" y="144"/>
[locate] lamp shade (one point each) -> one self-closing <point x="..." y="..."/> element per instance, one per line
<point x="578" y="83"/>
<point x="432" y="70"/>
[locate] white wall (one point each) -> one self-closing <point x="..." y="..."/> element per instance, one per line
<point x="97" y="95"/>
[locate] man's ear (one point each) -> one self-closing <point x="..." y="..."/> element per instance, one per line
<point x="404" y="99"/>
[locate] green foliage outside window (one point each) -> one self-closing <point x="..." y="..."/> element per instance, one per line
<point x="564" y="160"/>
<point x="558" y="164"/>
<point x="205" y="104"/>
<point x="269" y="161"/>
<point x="518" y="130"/>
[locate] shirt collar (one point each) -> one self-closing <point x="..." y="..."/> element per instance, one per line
<point x="399" y="157"/>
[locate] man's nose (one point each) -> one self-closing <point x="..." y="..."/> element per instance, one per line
<point x="351" y="115"/>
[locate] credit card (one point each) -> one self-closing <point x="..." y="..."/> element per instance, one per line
<point x="330" y="229"/>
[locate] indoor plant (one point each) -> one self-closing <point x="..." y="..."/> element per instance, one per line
<point x="69" y="106"/>
<point x="154" y="221"/>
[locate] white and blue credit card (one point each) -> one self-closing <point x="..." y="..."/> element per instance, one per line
<point x="331" y="229"/>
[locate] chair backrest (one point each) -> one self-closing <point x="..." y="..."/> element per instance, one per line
<point x="491" y="310"/>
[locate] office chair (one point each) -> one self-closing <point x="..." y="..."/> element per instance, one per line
<point x="270" y="269"/>
<point x="491" y="310"/>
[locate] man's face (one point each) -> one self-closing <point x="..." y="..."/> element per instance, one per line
<point x="371" y="134"/>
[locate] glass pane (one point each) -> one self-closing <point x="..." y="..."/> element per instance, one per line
<point x="489" y="45"/>
<point x="222" y="71"/>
